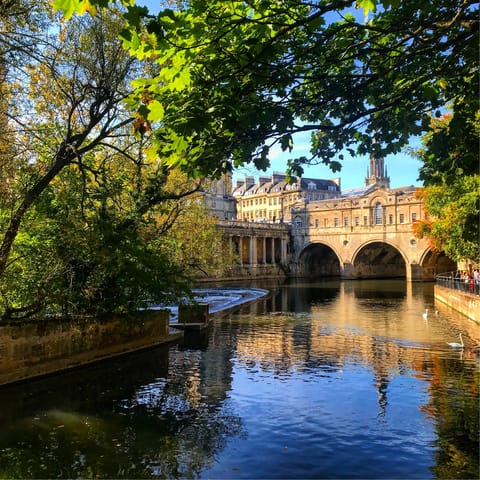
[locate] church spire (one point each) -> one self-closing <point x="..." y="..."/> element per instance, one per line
<point x="378" y="173"/>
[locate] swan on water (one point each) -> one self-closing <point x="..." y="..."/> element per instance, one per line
<point x="425" y="314"/>
<point x="455" y="344"/>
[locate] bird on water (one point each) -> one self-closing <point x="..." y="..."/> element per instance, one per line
<point x="455" y="344"/>
<point x="425" y="314"/>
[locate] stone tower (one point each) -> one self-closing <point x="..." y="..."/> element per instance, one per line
<point x="377" y="174"/>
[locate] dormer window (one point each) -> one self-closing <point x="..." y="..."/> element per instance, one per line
<point x="312" y="186"/>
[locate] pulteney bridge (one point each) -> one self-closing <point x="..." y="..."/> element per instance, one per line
<point x="364" y="236"/>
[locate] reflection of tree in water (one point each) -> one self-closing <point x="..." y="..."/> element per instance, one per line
<point x="454" y="402"/>
<point x="153" y="431"/>
<point x="134" y="445"/>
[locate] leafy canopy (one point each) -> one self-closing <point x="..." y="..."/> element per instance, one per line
<point x="450" y="154"/>
<point x="237" y="78"/>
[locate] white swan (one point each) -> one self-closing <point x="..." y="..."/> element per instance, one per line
<point x="455" y="344"/>
<point x="425" y="314"/>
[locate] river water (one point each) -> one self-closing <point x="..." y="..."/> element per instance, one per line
<point x="317" y="380"/>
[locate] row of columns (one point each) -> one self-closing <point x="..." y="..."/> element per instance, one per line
<point x="255" y="250"/>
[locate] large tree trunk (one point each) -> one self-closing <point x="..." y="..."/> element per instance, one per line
<point x="64" y="156"/>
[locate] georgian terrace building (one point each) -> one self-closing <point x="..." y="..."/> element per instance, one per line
<point x="272" y="198"/>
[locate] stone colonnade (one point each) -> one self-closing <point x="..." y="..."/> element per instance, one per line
<point x="258" y="245"/>
<point x="255" y="250"/>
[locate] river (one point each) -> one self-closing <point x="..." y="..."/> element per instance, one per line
<point x="316" y="380"/>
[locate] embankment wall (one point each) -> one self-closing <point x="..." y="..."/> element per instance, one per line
<point x="465" y="303"/>
<point x="41" y="347"/>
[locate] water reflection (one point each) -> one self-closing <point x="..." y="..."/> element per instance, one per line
<point x="327" y="380"/>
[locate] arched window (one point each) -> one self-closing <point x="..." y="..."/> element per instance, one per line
<point x="378" y="213"/>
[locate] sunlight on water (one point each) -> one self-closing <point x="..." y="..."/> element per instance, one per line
<point x="327" y="380"/>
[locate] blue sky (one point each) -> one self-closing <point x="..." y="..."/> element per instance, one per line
<point x="401" y="168"/>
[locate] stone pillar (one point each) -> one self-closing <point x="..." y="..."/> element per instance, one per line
<point x="283" y="257"/>
<point x="245" y="250"/>
<point x="414" y="273"/>
<point x="193" y="313"/>
<point x="348" y="270"/>
<point x="253" y="251"/>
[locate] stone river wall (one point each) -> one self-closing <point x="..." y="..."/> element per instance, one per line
<point x="465" y="303"/>
<point x="44" y="346"/>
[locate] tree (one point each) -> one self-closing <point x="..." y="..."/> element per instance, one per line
<point x="194" y="241"/>
<point x="72" y="116"/>
<point x="81" y="215"/>
<point x="451" y="197"/>
<point x="237" y="78"/>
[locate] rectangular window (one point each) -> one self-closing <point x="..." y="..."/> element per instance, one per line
<point x="365" y="220"/>
<point x="402" y="218"/>
<point x="316" y="223"/>
<point x="357" y="221"/>
<point x="378" y="214"/>
<point x="345" y="221"/>
<point x="414" y="217"/>
<point x="390" y="219"/>
<point x="335" y="222"/>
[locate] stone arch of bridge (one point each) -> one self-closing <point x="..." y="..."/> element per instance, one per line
<point x="318" y="260"/>
<point x="379" y="259"/>
<point x="435" y="263"/>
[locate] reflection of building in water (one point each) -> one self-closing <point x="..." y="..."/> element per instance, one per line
<point x="381" y="374"/>
<point x="206" y="373"/>
<point x="342" y="331"/>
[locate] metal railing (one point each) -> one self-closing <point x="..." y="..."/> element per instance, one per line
<point x="458" y="281"/>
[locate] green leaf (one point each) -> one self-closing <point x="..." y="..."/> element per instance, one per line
<point x="367" y="5"/>
<point x="156" y="111"/>
<point x="69" y="7"/>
